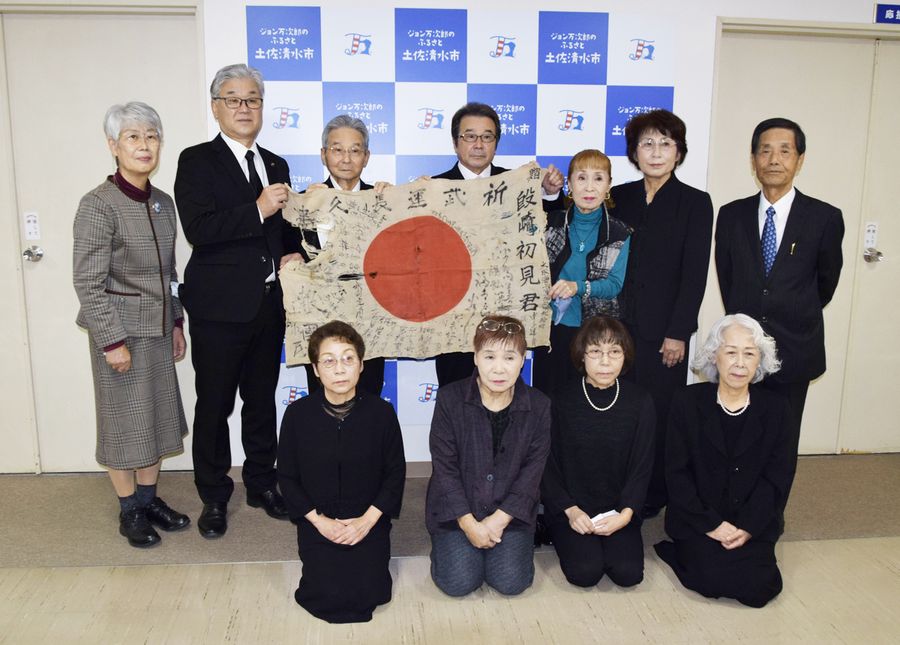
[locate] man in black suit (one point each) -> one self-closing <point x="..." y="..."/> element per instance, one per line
<point x="778" y="258"/>
<point x="229" y="193"/>
<point x="345" y="153"/>
<point x="475" y="130"/>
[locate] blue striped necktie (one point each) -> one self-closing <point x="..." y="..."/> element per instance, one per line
<point x="769" y="247"/>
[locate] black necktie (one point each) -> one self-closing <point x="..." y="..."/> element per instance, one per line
<point x="255" y="181"/>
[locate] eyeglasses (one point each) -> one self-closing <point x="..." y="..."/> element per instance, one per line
<point x="496" y="325"/>
<point x="665" y="144"/>
<point x="339" y="152"/>
<point x="233" y="102"/>
<point x="330" y="362"/>
<point x="613" y="354"/>
<point x="471" y="137"/>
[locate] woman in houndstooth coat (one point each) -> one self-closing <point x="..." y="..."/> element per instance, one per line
<point x="124" y="265"/>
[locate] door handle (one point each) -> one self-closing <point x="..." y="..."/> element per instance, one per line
<point x="872" y="254"/>
<point x="33" y="254"/>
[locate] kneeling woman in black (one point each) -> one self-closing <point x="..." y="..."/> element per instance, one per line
<point x="600" y="461"/>
<point x="341" y="469"/>
<point x="729" y="466"/>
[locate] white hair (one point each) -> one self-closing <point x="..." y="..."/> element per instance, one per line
<point x="705" y="360"/>
<point x="232" y="72"/>
<point x="133" y="112"/>
<point x="345" y="121"/>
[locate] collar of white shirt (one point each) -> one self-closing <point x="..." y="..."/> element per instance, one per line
<point x="468" y="174"/>
<point x="239" y="150"/>
<point x="338" y="186"/>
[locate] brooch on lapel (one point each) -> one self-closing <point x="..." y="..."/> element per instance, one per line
<point x="155" y="208"/>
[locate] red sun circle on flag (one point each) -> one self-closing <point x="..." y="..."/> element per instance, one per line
<point x="418" y="269"/>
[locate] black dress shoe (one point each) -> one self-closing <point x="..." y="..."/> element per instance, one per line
<point x="135" y="526"/>
<point x="162" y="516"/>
<point x="213" y="522"/>
<point x="270" y="500"/>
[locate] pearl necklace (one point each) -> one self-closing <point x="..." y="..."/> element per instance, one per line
<point x="729" y="412"/>
<point x="591" y="403"/>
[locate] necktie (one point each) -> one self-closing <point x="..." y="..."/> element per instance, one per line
<point x="255" y="181"/>
<point x="769" y="247"/>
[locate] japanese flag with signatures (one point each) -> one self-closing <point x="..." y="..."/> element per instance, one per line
<point x="415" y="268"/>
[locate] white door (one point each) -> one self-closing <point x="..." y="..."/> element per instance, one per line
<point x="58" y="96"/>
<point x="869" y="418"/>
<point x="824" y="83"/>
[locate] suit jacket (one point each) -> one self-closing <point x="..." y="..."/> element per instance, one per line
<point x="234" y="251"/>
<point x="549" y="204"/>
<point x="124" y="259"/>
<point x="788" y="303"/>
<point x="668" y="259"/>
<point x="706" y="486"/>
<point x="466" y="476"/>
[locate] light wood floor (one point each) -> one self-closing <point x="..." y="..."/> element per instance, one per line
<point x="836" y="591"/>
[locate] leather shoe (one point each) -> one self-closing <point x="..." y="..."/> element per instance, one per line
<point x="162" y="516"/>
<point x="213" y="522"/>
<point x="271" y="501"/>
<point x="134" y="525"/>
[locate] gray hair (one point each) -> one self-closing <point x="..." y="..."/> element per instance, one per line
<point x="232" y="72"/>
<point x="133" y="112"/>
<point x="705" y="361"/>
<point x="345" y="121"/>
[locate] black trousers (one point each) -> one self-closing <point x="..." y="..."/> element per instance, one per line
<point x="552" y="367"/>
<point x="795" y="393"/>
<point x="661" y="383"/>
<point x="584" y="559"/>
<point x="749" y="574"/>
<point x="233" y="357"/>
<point x="371" y="379"/>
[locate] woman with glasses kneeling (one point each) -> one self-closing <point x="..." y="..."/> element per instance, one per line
<point x="600" y="461"/>
<point x="728" y="468"/>
<point x="341" y="469"/>
<point x="490" y="436"/>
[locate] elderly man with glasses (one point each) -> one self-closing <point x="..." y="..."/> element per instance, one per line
<point x="230" y="193"/>
<point x="345" y="153"/>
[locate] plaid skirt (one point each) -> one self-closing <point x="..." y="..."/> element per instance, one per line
<point x="140" y="418"/>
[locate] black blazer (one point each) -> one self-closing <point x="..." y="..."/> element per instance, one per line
<point x="549" y="204"/>
<point x="233" y="252"/>
<point x="706" y="487"/>
<point x="668" y="259"/>
<point x="788" y="303"/>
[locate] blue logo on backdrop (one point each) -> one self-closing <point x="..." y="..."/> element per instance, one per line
<point x="572" y="47"/>
<point x="285" y="43"/>
<point x="430" y="45"/>
<point x="433" y="119"/>
<point x="623" y="102"/>
<point x="428" y="393"/>
<point x="293" y="393"/>
<point x="505" y="46"/>
<point x="411" y="167"/>
<point x="359" y="44"/>
<point x="572" y="120"/>
<point x="372" y="103"/>
<point x="643" y="49"/>
<point x="305" y="170"/>
<point x="516" y="105"/>
<point x="286" y="117"/>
